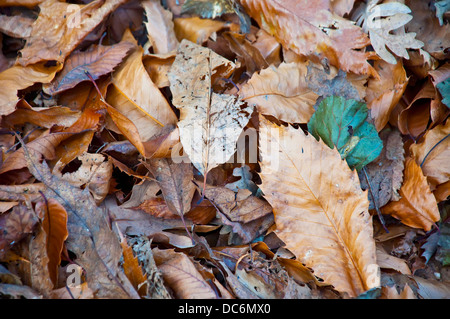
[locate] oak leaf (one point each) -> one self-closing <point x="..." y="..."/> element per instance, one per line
<point x="320" y="210"/>
<point x="417" y="207"/>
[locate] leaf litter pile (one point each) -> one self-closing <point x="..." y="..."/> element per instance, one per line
<point x="224" y="149"/>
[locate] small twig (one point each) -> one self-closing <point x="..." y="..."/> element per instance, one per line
<point x="380" y="216"/>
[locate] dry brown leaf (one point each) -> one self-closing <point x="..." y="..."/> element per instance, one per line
<point x="16" y="26"/>
<point x="158" y="66"/>
<point x="195" y="29"/>
<point x="132" y="268"/>
<point x="210" y="123"/>
<point x="97" y="61"/>
<point x="42" y="147"/>
<point x="432" y="157"/>
<point x="94" y="173"/>
<point x="387" y="261"/>
<point x="54" y="224"/>
<point x="70" y="24"/>
<point x="19" y="77"/>
<point x="310" y="29"/>
<point x="385" y="173"/>
<point x="181" y="275"/>
<point x="175" y="180"/>
<point x="417" y="206"/>
<point x="282" y="92"/>
<point x="392" y="293"/>
<point x="137" y="97"/>
<point x="160" y="28"/>
<point x="384" y="93"/>
<point x="15" y="225"/>
<point x="320" y="210"/>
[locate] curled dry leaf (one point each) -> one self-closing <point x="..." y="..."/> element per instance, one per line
<point x="136" y="97"/>
<point x="282" y="92"/>
<point x="210" y="123"/>
<point x="310" y="29"/>
<point x="320" y="210"/>
<point x="71" y="23"/>
<point x="19" y="77"/>
<point x="195" y="29"/>
<point x="417" y="206"/>
<point x="160" y="28"/>
<point x="384" y="93"/>
<point x="54" y="223"/>
<point x="433" y="155"/>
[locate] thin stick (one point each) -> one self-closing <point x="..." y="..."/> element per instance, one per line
<point x="380" y="216"/>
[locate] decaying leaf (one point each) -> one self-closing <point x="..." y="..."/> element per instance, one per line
<point x="210" y="123"/>
<point x="319" y="208"/>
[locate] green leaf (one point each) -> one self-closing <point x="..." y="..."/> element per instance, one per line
<point x="342" y="123"/>
<point x="444" y="89"/>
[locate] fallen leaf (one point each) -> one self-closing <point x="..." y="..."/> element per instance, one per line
<point x="160" y="27"/>
<point x="19" y="77"/>
<point x="94" y="174"/>
<point x="147" y="108"/>
<point x="385" y="173"/>
<point x="210" y="123"/>
<point x="319" y="207"/>
<point x="195" y="29"/>
<point x="392" y="293"/>
<point x="342" y="123"/>
<point x="432" y="155"/>
<point x="96" y="61"/>
<point x="175" y="180"/>
<point x="282" y="92"/>
<point x="16" y="26"/>
<point x="71" y="23"/>
<point x="245" y="181"/>
<point x="313" y="31"/>
<point x="380" y="21"/>
<point x="417" y="206"/>
<point x="54" y="223"/>
<point x="386" y="261"/>
<point x="181" y="275"/>
<point x="384" y="93"/>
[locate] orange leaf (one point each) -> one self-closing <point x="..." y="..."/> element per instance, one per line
<point x="70" y="24"/>
<point x="55" y="226"/>
<point x="310" y="29"/>
<point x="320" y="211"/>
<point x="132" y="268"/>
<point x="417" y="207"/>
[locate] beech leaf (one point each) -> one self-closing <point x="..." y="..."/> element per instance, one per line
<point x="320" y="211"/>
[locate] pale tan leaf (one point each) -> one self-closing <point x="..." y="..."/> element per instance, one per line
<point x="320" y="211"/>
<point x="195" y="29"/>
<point x="282" y="92"/>
<point x="210" y="123"/>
